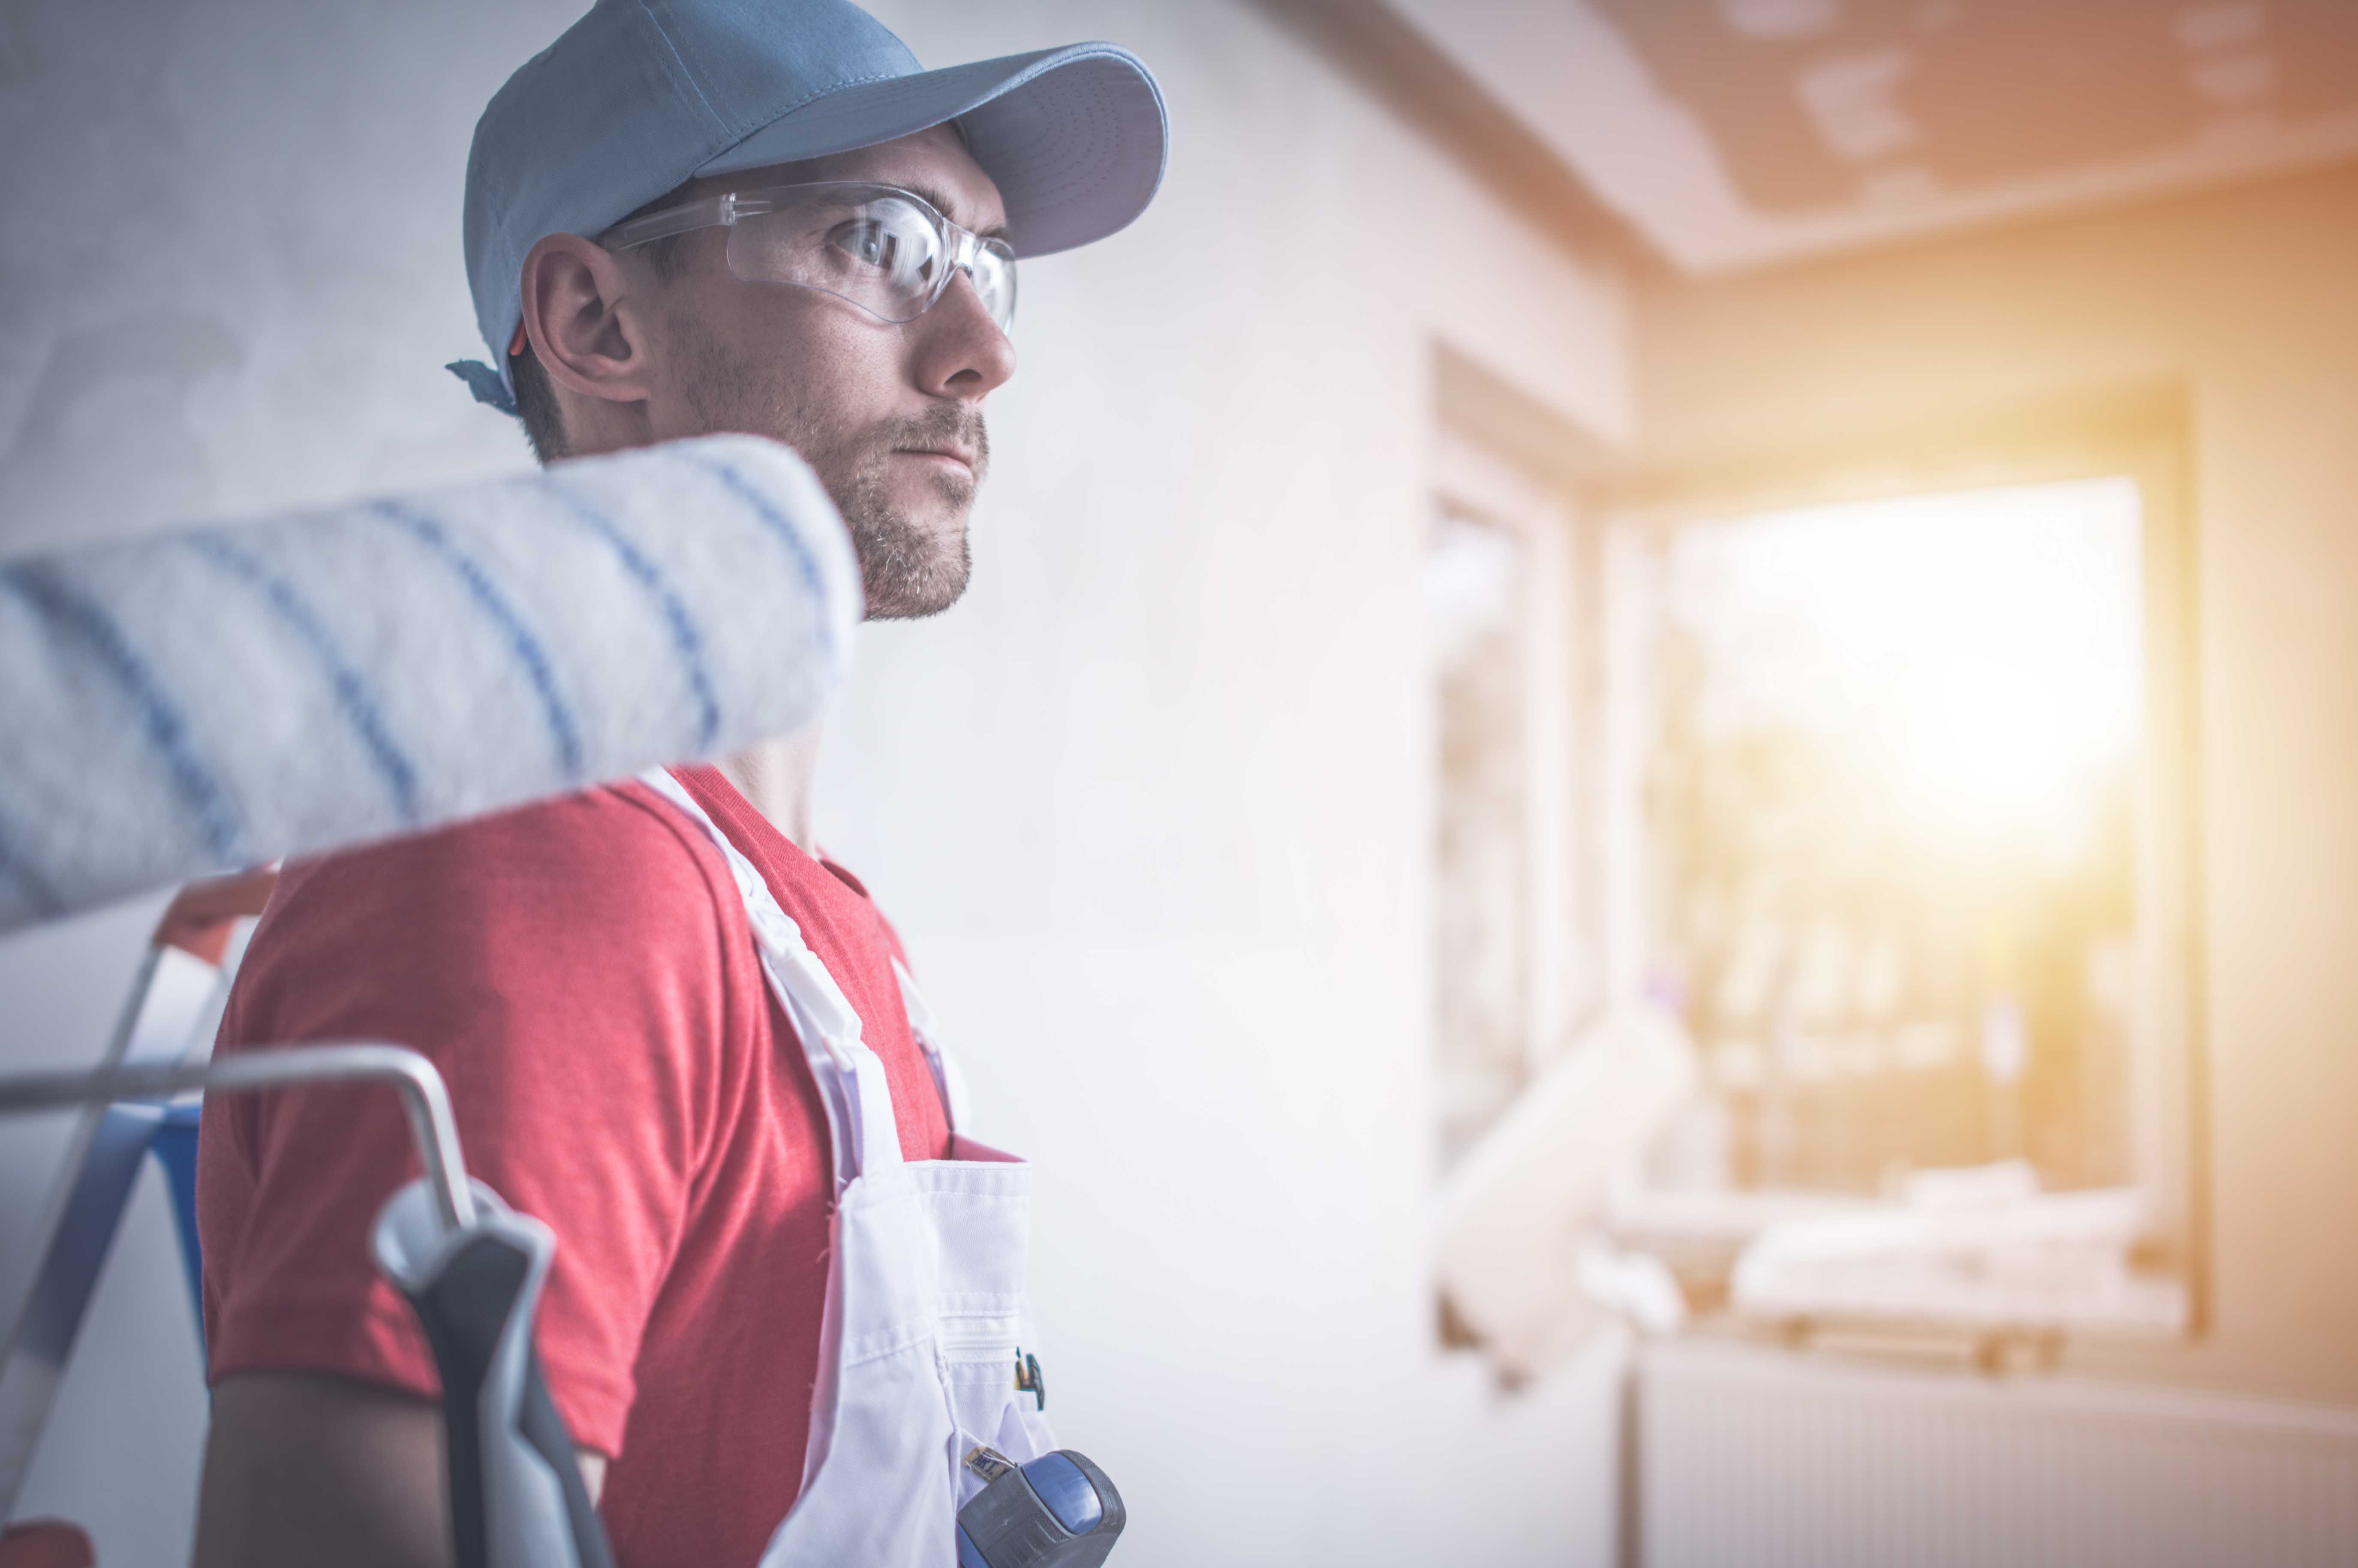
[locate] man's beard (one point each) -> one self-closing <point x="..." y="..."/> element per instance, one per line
<point x="907" y="571"/>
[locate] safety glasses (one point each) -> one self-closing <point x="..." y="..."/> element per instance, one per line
<point x="884" y="249"/>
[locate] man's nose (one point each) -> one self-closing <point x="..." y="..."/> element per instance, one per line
<point x="961" y="352"/>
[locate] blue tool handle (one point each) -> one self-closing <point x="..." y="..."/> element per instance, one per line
<point x="1056" y="1511"/>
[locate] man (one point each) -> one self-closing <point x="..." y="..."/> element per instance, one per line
<point x="685" y="216"/>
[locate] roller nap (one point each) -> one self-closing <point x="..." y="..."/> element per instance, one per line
<point x="215" y="697"/>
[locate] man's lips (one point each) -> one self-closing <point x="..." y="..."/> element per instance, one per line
<point x="962" y="457"/>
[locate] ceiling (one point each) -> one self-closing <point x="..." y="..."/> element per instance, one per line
<point x="1734" y="133"/>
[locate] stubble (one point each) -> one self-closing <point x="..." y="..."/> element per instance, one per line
<point x="908" y="569"/>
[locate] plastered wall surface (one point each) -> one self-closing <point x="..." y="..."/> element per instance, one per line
<point x="2247" y="300"/>
<point x="1150" y="807"/>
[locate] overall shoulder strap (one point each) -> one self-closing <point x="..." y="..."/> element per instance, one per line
<point x="850" y="1076"/>
<point x="946" y="1076"/>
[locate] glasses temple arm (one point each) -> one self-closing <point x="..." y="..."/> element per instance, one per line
<point x="713" y="210"/>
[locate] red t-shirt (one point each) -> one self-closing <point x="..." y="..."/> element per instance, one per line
<point x="583" y="975"/>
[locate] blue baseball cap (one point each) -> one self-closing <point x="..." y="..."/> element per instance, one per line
<point x="640" y="96"/>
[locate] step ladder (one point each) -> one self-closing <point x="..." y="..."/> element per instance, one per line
<point x="168" y="1019"/>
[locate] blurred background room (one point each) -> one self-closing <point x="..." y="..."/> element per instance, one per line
<point x="1660" y="694"/>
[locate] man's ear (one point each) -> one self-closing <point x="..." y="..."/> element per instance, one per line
<point x="573" y="294"/>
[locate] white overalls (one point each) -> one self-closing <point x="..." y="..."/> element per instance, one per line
<point x="926" y="1307"/>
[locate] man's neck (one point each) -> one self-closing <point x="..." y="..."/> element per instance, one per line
<point x="780" y="777"/>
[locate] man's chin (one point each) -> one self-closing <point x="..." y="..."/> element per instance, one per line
<point x="916" y="602"/>
<point x="909" y="569"/>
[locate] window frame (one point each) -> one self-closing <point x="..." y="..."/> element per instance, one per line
<point x="2142" y="434"/>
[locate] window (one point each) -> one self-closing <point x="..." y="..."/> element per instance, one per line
<point x="1507" y="958"/>
<point x="1814" y="862"/>
<point x="1891" y="767"/>
<point x="1476" y="577"/>
<point x="1899" y="811"/>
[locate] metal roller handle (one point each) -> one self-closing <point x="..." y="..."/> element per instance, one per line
<point x="423" y="1097"/>
<point x="516" y="1495"/>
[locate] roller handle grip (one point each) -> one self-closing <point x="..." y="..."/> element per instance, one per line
<point x="517" y="1499"/>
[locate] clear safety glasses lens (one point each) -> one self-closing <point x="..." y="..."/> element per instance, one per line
<point x="879" y="247"/>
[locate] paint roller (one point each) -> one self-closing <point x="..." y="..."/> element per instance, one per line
<point x="214" y="698"/>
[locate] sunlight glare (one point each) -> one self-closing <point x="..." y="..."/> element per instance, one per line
<point x="1983" y="645"/>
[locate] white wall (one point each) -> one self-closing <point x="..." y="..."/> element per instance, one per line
<point x="1150" y="807"/>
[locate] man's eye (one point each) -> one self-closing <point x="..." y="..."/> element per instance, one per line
<point x="871" y="243"/>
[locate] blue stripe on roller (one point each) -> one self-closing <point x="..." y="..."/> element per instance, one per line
<point x="494" y="603"/>
<point x="17" y="868"/>
<point x="684" y="634"/>
<point x="165" y="728"/>
<point x="775" y="521"/>
<point x="354" y="700"/>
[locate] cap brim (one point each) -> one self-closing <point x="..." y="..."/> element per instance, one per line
<point x="1073" y="138"/>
